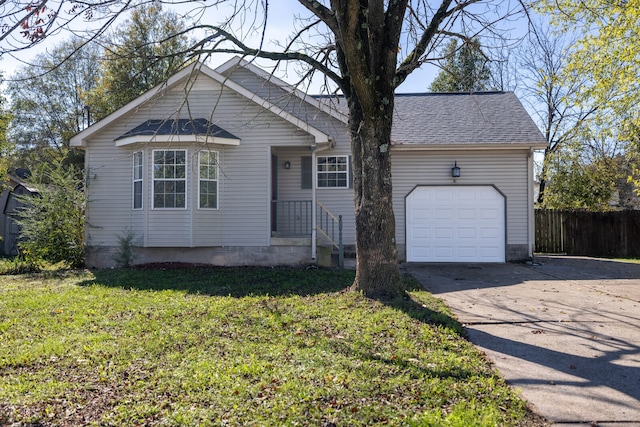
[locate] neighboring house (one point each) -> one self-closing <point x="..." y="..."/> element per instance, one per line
<point x="229" y="166"/>
<point x="10" y="208"/>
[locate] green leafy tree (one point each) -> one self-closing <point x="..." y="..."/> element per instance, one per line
<point x="364" y="50"/>
<point x="143" y="52"/>
<point x="463" y="69"/>
<point x="52" y="223"/>
<point x="606" y="58"/>
<point x="46" y="108"/>
<point x="608" y="49"/>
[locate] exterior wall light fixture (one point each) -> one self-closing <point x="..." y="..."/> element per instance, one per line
<point x="287" y="164"/>
<point x="455" y="170"/>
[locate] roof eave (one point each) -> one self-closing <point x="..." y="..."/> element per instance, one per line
<point x="474" y="146"/>
<point x="203" y="139"/>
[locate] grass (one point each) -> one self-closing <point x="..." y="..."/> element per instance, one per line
<point x="629" y="260"/>
<point x="232" y="347"/>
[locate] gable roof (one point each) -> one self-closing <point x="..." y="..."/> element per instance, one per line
<point x="422" y="120"/>
<point x="190" y="72"/>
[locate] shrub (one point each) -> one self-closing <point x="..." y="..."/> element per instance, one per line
<point x="52" y="222"/>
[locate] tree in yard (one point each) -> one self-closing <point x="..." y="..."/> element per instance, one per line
<point x="606" y="59"/>
<point x="463" y="69"/>
<point x="548" y="87"/>
<point x="365" y="48"/>
<point x="581" y="176"/>
<point x="46" y="107"/>
<point x="144" y="51"/>
<point x="6" y="149"/>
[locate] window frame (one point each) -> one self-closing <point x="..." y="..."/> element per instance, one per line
<point x="140" y="180"/>
<point x="216" y="165"/>
<point x="184" y="179"/>
<point x="346" y="172"/>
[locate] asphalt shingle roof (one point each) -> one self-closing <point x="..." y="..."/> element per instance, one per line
<point x="463" y="118"/>
<point x="460" y="119"/>
<point x="178" y="127"/>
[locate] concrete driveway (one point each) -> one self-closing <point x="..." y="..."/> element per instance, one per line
<point x="563" y="330"/>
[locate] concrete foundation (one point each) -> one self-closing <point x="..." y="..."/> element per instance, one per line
<point x="104" y="256"/>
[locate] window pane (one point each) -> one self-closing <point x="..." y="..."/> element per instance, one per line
<point x="137" y="195"/>
<point x="333" y="171"/>
<point x="208" y="184"/>
<point x="180" y="200"/>
<point x="180" y="157"/>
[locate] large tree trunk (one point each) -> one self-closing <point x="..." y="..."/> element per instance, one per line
<point x="377" y="273"/>
<point x="367" y="40"/>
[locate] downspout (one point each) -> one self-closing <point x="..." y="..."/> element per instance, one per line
<point x="314" y="200"/>
<point x="530" y="205"/>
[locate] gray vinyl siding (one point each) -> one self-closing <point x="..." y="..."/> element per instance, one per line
<point x="242" y="218"/>
<point x="507" y="170"/>
<point x="339" y="201"/>
<point x="288" y="101"/>
<point x="244" y="182"/>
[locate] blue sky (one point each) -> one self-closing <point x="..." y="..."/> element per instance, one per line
<point x="281" y="21"/>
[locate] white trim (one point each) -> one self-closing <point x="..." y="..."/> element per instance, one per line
<point x="216" y="180"/>
<point x="145" y="139"/>
<point x="186" y="181"/>
<point x="467" y="147"/>
<point x="134" y="180"/>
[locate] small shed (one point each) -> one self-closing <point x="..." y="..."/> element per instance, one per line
<point x="11" y="206"/>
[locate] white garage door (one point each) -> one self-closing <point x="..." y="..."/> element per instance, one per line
<point x="455" y="224"/>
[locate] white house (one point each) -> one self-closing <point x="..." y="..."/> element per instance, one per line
<point x="234" y="167"/>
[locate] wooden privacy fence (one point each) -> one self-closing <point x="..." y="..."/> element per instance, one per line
<point x="603" y="234"/>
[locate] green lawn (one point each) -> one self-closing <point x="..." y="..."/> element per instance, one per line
<point x="235" y="347"/>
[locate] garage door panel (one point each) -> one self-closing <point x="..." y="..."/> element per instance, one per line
<point x="445" y="214"/>
<point x="489" y="233"/>
<point x="423" y="252"/>
<point x="443" y="195"/>
<point x="456" y="224"/>
<point x="467" y="233"/>
<point x="489" y="252"/>
<point x="444" y="233"/>
<point x="467" y="195"/>
<point x="418" y="214"/>
<point x="467" y="213"/>
<point x="443" y="252"/>
<point x="421" y="233"/>
<point x="467" y="251"/>
<point x="489" y="213"/>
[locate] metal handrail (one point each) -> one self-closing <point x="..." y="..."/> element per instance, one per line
<point x="326" y="224"/>
<point x="292" y="218"/>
